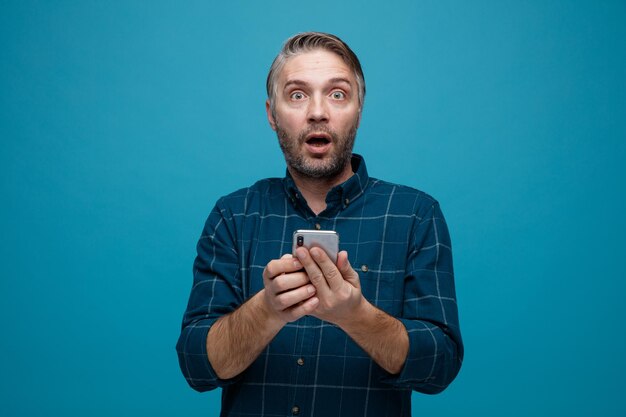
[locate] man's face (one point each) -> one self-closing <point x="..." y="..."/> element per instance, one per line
<point x="316" y="113"/>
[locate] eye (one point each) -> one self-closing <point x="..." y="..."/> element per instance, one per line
<point x="297" y="95"/>
<point x="338" y="95"/>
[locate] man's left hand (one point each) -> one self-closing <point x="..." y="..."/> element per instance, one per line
<point x="338" y="286"/>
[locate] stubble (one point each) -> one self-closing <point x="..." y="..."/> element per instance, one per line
<point x="317" y="168"/>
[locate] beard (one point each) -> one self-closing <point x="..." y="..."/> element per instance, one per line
<point x="317" y="168"/>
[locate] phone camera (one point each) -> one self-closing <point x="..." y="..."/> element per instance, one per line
<point x="300" y="240"/>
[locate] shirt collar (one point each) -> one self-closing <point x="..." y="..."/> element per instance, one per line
<point x="345" y="193"/>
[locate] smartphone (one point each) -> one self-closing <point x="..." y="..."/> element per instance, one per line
<point x="325" y="239"/>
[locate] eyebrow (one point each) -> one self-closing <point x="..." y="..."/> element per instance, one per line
<point x="335" y="80"/>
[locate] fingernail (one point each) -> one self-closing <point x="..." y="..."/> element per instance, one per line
<point x="297" y="264"/>
<point x="311" y="289"/>
<point x="315" y="253"/>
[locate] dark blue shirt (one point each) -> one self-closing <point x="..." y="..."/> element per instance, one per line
<point x="398" y="242"/>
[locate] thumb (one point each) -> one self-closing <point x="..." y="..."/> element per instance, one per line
<point x="349" y="274"/>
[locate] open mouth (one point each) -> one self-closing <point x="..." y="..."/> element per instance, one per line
<point x="318" y="141"/>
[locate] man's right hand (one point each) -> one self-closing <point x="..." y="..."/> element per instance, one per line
<point x="289" y="294"/>
<point x="237" y="339"/>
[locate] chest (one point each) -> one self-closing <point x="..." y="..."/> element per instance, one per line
<point x="377" y="249"/>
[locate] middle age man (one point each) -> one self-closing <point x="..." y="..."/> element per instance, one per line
<point x="289" y="336"/>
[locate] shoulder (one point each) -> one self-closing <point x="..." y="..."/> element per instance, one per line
<point x="401" y="196"/>
<point x="241" y="199"/>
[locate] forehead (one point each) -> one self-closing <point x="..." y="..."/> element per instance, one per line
<point x="316" y="65"/>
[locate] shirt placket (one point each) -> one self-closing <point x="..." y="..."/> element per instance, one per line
<point x="303" y="363"/>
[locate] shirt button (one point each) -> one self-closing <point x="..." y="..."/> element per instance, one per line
<point x="347" y="201"/>
<point x="318" y="226"/>
<point x="364" y="268"/>
<point x="295" y="410"/>
<point x="300" y="361"/>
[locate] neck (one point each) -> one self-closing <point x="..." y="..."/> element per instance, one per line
<point x="314" y="190"/>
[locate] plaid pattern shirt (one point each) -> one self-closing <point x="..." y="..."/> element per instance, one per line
<point x="398" y="242"/>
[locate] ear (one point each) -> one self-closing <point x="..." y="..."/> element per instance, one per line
<point x="270" y="117"/>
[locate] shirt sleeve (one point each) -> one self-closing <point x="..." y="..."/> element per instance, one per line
<point x="430" y="312"/>
<point x="216" y="291"/>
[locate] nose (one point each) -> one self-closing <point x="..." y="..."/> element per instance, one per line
<point x="317" y="110"/>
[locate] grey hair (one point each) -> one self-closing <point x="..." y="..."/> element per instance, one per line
<point x="309" y="41"/>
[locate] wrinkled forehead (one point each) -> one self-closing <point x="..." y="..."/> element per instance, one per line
<point x="316" y="64"/>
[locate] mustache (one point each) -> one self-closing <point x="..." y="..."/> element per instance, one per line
<point x="318" y="128"/>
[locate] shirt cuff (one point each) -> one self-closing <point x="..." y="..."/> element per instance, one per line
<point x="419" y="371"/>
<point x="194" y="360"/>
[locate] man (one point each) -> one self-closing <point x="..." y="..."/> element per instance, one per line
<point x="301" y="335"/>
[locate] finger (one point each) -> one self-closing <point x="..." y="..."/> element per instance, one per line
<point x="286" y="282"/>
<point x="281" y="266"/>
<point x="289" y="299"/>
<point x="328" y="268"/>
<point x="287" y="255"/>
<point x="313" y="271"/>
<point x="348" y="273"/>
<point x="304" y="308"/>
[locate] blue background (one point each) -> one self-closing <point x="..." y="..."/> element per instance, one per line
<point x="121" y="123"/>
